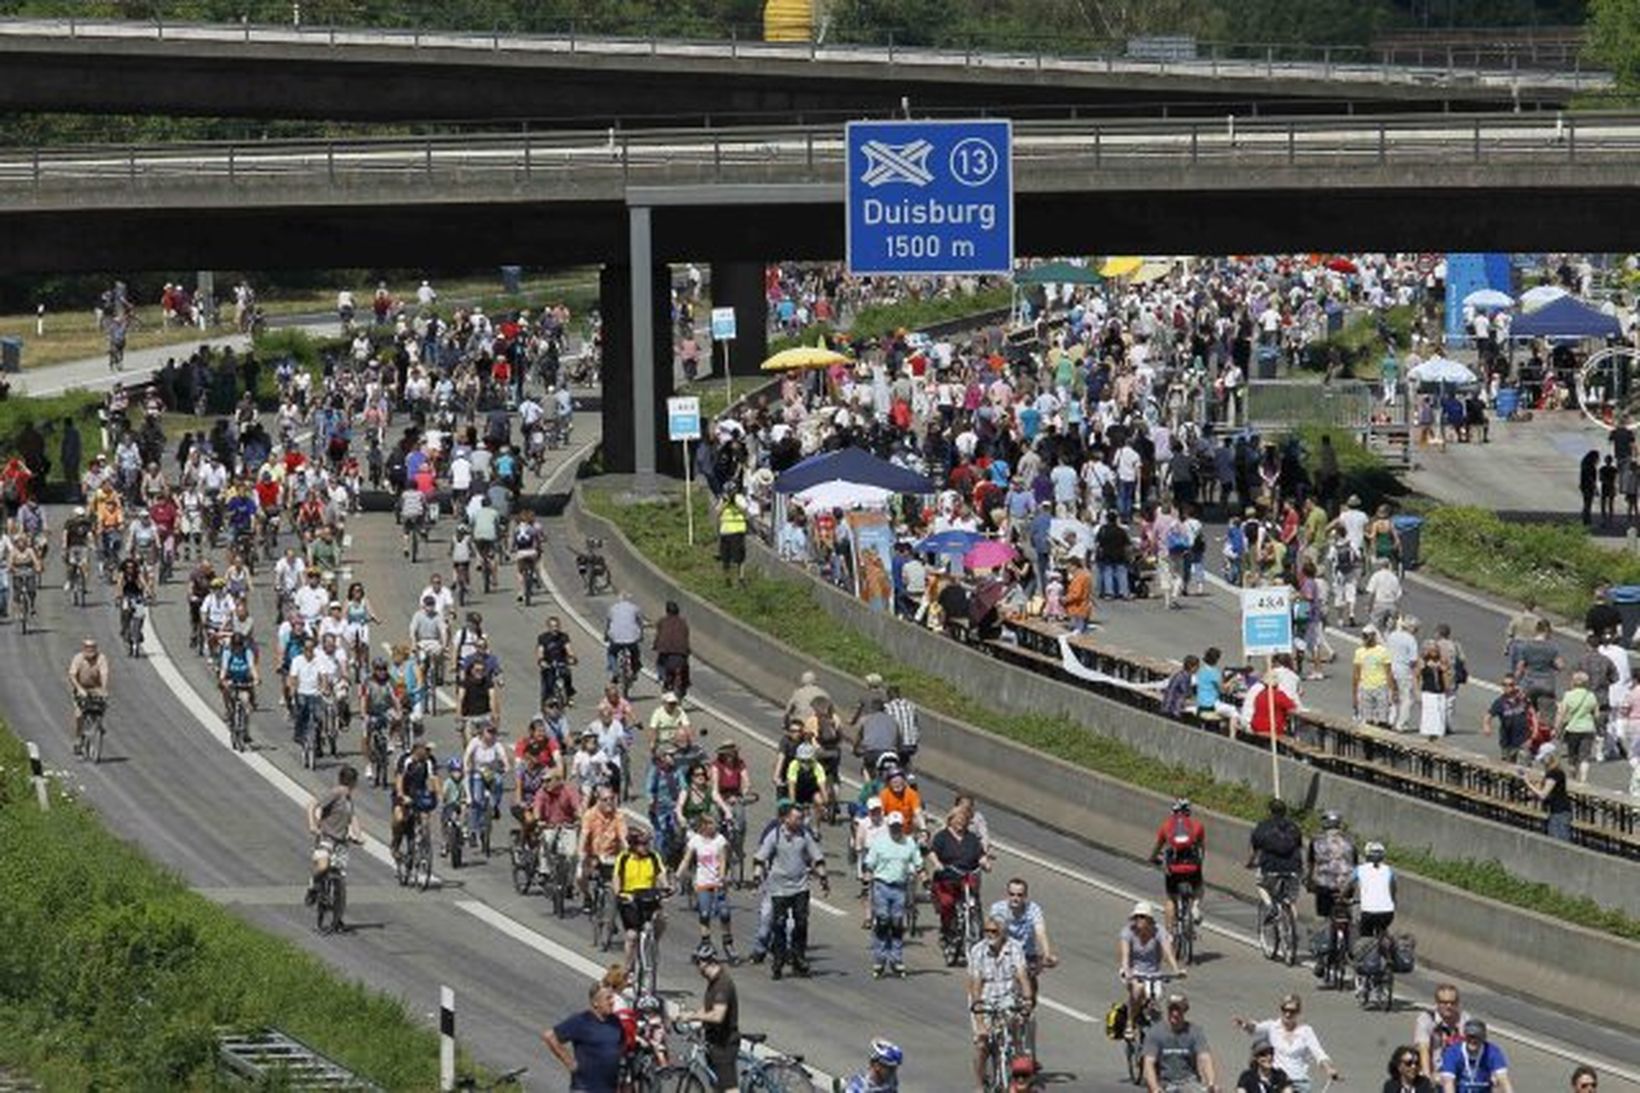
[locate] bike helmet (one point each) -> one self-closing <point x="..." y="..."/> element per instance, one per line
<point x="636" y="835"/>
<point x="704" y="954"/>
<point x="886" y="1052"/>
<point x="453" y="766"/>
<point x="805" y="752"/>
<point x="1331" y="819"/>
<point x="79" y="510"/>
<point x="1375" y="851"/>
<point x="1182" y="805"/>
<point x="378" y="665"/>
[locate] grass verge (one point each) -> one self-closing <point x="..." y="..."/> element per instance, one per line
<point x="114" y="975"/>
<point x="788" y="609"/>
<point x="1360" y="344"/>
<point x="1557" y="563"/>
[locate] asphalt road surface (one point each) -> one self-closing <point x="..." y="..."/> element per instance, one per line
<point x="232" y="825"/>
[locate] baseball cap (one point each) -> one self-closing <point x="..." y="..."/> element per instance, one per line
<point x="1475" y="1027"/>
<point x="873" y="802"/>
<point x="669" y="696"/>
<point x="896" y="818"/>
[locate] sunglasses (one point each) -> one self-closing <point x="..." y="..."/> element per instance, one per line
<point x="1410" y="1060"/>
<point x="1289" y="1012"/>
<point x="993" y="933"/>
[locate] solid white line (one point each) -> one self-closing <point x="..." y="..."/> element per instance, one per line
<point x="1073" y="1014"/>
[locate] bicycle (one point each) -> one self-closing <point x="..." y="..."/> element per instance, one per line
<point x="416" y="529"/>
<point x="93" y="710"/>
<point x="771" y="1073"/>
<point x="376" y="750"/>
<point x="328" y="725"/>
<point x="601" y="908"/>
<point x="646" y="958"/>
<point x="734" y="833"/>
<point x="967" y="919"/>
<point x="1375" y="974"/>
<point x="1133" y="1047"/>
<point x="1003" y="1043"/>
<point x="239" y="717"/>
<point x="133" y="614"/>
<point x="486" y="805"/>
<point x="592" y="568"/>
<point x="626" y="669"/>
<point x="24" y="593"/>
<point x="455" y="836"/>
<point x="431" y="677"/>
<point x="76" y="580"/>
<point x="528" y="577"/>
<point x="1278" y="923"/>
<point x="555" y="869"/>
<point x="331" y="900"/>
<point x="1184" y="923"/>
<point x="414" y="866"/>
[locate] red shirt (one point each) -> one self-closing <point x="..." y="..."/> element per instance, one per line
<point x="1182" y="855"/>
<point x="1284" y="705"/>
<point x="267" y="493"/>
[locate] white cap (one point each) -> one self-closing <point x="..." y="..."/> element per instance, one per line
<point x="875" y="802"/>
<point x="669" y="696"/>
<point x="1144" y="908"/>
<point x="895" y="818"/>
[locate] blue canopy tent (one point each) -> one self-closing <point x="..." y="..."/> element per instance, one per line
<point x="1565" y="319"/>
<point x="851" y="465"/>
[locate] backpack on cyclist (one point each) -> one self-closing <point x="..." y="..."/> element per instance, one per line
<point x="1116" y="1019"/>
<point x="1334" y="860"/>
<point x="1182" y="849"/>
<point x="1404" y="957"/>
<point x="1283" y="840"/>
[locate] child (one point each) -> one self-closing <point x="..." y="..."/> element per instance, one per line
<point x="454" y="796"/>
<point x="1054" y="608"/>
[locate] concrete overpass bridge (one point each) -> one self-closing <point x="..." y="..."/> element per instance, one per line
<point x="737" y="198"/>
<point x="349" y="73"/>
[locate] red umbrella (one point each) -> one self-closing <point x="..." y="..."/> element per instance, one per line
<point x="1341" y="265"/>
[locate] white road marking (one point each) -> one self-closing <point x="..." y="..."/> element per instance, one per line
<point x="1073" y="1014"/>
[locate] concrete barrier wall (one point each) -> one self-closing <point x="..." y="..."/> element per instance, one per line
<point x="1481" y="939"/>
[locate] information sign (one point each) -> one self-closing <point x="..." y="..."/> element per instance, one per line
<point x="1266" y="621"/>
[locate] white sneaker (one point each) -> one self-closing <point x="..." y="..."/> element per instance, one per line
<point x="1196" y="913"/>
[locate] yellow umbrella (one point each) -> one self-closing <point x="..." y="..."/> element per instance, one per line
<point x="803" y="356"/>
<point x="1120" y="267"/>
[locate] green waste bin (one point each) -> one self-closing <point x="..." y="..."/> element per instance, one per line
<point x="11" y="354"/>
<point x="1411" y="530"/>
<point x="1626" y="599"/>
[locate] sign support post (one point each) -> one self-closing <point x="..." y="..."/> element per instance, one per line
<point x="683" y="425"/>
<point x="1267" y="629"/>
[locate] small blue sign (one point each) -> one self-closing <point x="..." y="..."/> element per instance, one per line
<point x="683" y="418"/>
<point x="930" y="197"/>
<point x="723" y="324"/>
<point x="1266" y="621"/>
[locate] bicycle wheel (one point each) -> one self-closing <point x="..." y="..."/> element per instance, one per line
<point x="1132" y="1050"/>
<point x="560" y="881"/>
<point x="94" y="737"/>
<point x="331" y="903"/>
<point x="648" y="970"/>
<point x="1388" y="998"/>
<point x="677" y="1079"/>
<point x="1288" y="922"/>
<point x="603" y="925"/>
<point x="415" y="546"/>
<point x="523" y="868"/>
<point x="1269" y="932"/>
<point x="402" y="861"/>
<point x="784" y="1076"/>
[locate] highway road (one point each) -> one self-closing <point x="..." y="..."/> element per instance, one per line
<point x="1251" y="63"/>
<point x="232" y="826"/>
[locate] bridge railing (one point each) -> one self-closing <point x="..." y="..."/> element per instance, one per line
<point x="430" y="26"/>
<point x="814" y="154"/>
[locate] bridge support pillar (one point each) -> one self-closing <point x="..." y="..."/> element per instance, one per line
<point x="739" y="284"/>
<point x="636" y="384"/>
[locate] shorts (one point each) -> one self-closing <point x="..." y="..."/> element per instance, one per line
<point x="1578" y="746"/>
<point x="711" y="903"/>
<point x="725" y="1063"/>
<point x="637" y="911"/>
<point x="1174" y="881"/>
<point x="732" y="548"/>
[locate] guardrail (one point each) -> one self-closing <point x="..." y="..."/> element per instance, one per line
<point x="1467" y="783"/>
<point x="694" y="39"/>
<point x="815" y="154"/>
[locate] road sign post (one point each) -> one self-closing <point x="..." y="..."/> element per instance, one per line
<point x="723" y="330"/>
<point x="446" y="1039"/>
<point x="1267" y="629"/>
<point x="930" y="197"/>
<point x="683" y="425"/>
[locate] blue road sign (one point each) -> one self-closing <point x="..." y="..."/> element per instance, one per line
<point x="683" y="418"/>
<point x="930" y="197"/>
<point x="1266" y="621"/>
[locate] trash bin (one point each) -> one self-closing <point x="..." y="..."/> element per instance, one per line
<point x="1410" y="529"/>
<point x="512" y="279"/>
<point x="11" y="354"/>
<point x="1508" y="401"/>
<point x="1269" y="357"/>
<point x="1626" y="598"/>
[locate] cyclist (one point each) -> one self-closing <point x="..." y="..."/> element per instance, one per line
<point x="87" y="681"/>
<point x="554" y="810"/>
<point x="237" y="673"/>
<point x="707" y="854"/>
<point x="528" y="540"/>
<point x="429" y="634"/>
<point x="26" y="561"/>
<point x="623" y="631"/>
<point x="640" y="882"/>
<point x="415" y="793"/>
<point x="882" y="1072"/>
<point x="890" y="867"/>
<point x="671" y="647"/>
<point x="486" y="762"/>
<point x="142" y="538"/>
<point x="1277" y="849"/>
<point x="332" y="822"/>
<point x="1026" y="924"/>
<point x="135" y="586"/>
<point x="454" y="800"/>
<point x="381" y="705"/>
<point x="1177" y="1058"/>
<point x="663" y="787"/>
<point x="899" y="795"/>
<point x="1141" y="950"/>
<point x="412" y="513"/>
<point x="1181" y="847"/>
<point x="553" y="656"/>
<point x="1439" y="1028"/>
<point x="959" y="857"/>
<point x="603" y="835"/>
<point x="307" y="683"/>
<point x="669" y="726"/>
<point x="806" y="778"/>
<point x="485" y="523"/>
<point x="1330" y="862"/>
<point x="76" y="543"/>
<point x="110" y="519"/>
<point x="312" y="599"/>
<point x="997" y="980"/>
<point x="1373" y="883"/>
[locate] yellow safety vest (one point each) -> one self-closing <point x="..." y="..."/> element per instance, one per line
<point x="732" y="520"/>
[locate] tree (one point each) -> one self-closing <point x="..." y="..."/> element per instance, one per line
<point x="1614" y="39"/>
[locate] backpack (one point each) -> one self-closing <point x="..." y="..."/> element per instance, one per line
<point x="1182" y="848"/>
<point x="1116" y="1021"/>
<point x="1333" y="860"/>
<point x="1282" y="840"/>
<point x="1235" y="540"/>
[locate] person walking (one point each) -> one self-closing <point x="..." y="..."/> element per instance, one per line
<point x="1383" y="594"/>
<point x="719" y="1018"/>
<point x="1575" y="724"/>
<point x="1432" y="693"/>
<point x="589" y="1044"/>
<point x="1375" y="689"/>
<point x="1588" y="475"/>
<point x="892" y="866"/>
<point x="1404" y="655"/>
<point x="731" y="519"/>
<point x="788" y="856"/>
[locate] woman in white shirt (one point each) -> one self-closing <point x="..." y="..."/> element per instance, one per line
<point x="1298" y="1049"/>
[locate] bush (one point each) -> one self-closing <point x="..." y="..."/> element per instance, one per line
<point x="1359" y="344"/>
<point x="1362" y="471"/>
<point x="46" y="414"/>
<point x="114" y="975"/>
<point x="1557" y="563"/>
<point x="880" y="319"/>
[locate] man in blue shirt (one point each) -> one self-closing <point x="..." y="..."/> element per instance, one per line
<point x="1472" y="1065"/>
<point x="589" y="1044"/>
